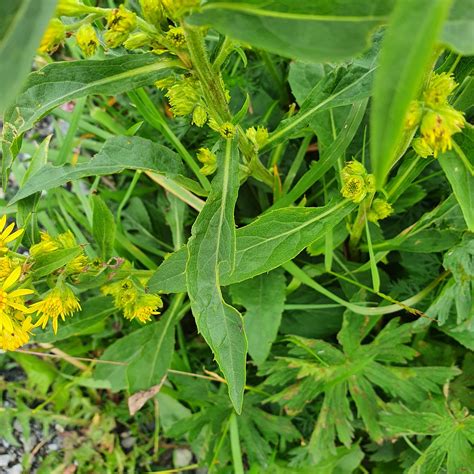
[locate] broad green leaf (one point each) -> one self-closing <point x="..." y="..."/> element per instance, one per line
<point x="117" y="154"/>
<point x="94" y="311"/>
<point x="211" y="253"/>
<point x="46" y="89"/>
<point x="343" y="86"/>
<point x="47" y="263"/>
<point x="313" y="30"/>
<point x="405" y="58"/>
<point x="41" y="373"/>
<point x="22" y="24"/>
<point x="462" y="181"/>
<point x="458" y="33"/>
<point x="271" y="240"/>
<point x="103" y="227"/>
<point x="154" y="359"/>
<point x="263" y="297"/>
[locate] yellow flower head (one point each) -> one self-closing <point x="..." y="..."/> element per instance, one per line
<point x="439" y="89"/>
<point x="414" y="115"/>
<point x="354" y="188"/>
<point x="199" y="115"/>
<point x="175" y="35"/>
<point x="152" y="11"/>
<point x="87" y="40"/>
<point x="227" y="130"/>
<point x="46" y="245"/>
<point x="12" y="300"/>
<point x="421" y="147"/>
<point x="53" y="37"/>
<point x="7" y="235"/>
<point x="183" y="96"/>
<point x="6" y="265"/>
<point x="14" y="332"/>
<point x="144" y="308"/>
<point x="120" y="23"/>
<point x="176" y="8"/>
<point x="380" y="210"/>
<point x="58" y="302"/>
<point x="208" y="159"/>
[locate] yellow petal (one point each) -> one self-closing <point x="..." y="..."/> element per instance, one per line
<point x="13" y="236"/>
<point x="12" y="278"/>
<point x="3" y="221"/>
<point x="20" y="292"/>
<point x="7" y="231"/>
<point x="19" y="307"/>
<point x="55" y="325"/>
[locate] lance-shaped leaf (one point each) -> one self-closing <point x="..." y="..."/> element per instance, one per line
<point x="211" y="254"/>
<point x="117" y="154"/>
<point x="313" y="30"/>
<point x="405" y="58"/>
<point x="22" y="24"/>
<point x="270" y="241"/>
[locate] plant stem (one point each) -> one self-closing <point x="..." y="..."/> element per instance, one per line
<point x="235" y="445"/>
<point x="359" y="225"/>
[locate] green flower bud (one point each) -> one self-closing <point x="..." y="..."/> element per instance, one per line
<point x="152" y="11"/>
<point x="353" y="168"/>
<point x="379" y="210"/>
<point x="421" y="147"/>
<point x="354" y="188"/>
<point x="53" y="37"/>
<point x="177" y="8"/>
<point x="136" y="40"/>
<point x="184" y="96"/>
<point x="414" y="115"/>
<point x="258" y="136"/>
<point x="120" y="23"/>
<point x="87" y="40"/>
<point x="208" y="159"/>
<point x="199" y="115"/>
<point x="72" y="8"/>
<point x="175" y="36"/>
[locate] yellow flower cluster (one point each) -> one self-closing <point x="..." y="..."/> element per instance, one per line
<point x="54" y="35"/>
<point x="131" y="298"/>
<point x="258" y="136"/>
<point x="152" y="11"/>
<point x="7" y="235"/>
<point x="356" y="182"/>
<point x="438" y="120"/>
<point x="87" y="40"/>
<point x="120" y="23"/>
<point x="183" y="96"/>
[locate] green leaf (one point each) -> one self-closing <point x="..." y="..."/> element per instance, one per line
<point x="211" y="253"/>
<point x="94" y="311"/>
<point x="41" y="373"/>
<point x="325" y="31"/>
<point x="117" y="154"/>
<point x="49" y="262"/>
<point x="415" y="27"/>
<point x="263" y="297"/>
<point x="22" y="24"/>
<point x="270" y="241"/>
<point x="462" y="182"/>
<point x="103" y="227"/>
<point x="154" y="359"/>
<point x="457" y="33"/>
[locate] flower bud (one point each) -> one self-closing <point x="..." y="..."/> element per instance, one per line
<point x="380" y="209"/>
<point x="177" y="8"/>
<point x="199" y="115"/>
<point x="414" y="115"/>
<point x="208" y="159"/>
<point x="227" y="130"/>
<point x="258" y="136"/>
<point x="152" y="11"/>
<point x="183" y="96"/>
<point x="136" y="40"/>
<point x="175" y="35"/>
<point x="120" y="23"/>
<point x="354" y="188"/>
<point x="353" y="168"/>
<point x="421" y="147"/>
<point x="53" y="36"/>
<point x="72" y="8"/>
<point x="87" y="40"/>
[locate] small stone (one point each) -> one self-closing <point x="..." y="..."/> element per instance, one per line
<point x="16" y="469"/>
<point x="5" y="460"/>
<point x="127" y="443"/>
<point x="182" y="457"/>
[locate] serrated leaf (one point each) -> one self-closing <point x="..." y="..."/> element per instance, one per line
<point x="263" y="297"/>
<point x="211" y="254"/>
<point x="415" y="26"/>
<point x="117" y="154"/>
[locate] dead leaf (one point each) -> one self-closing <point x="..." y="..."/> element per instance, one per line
<point x="137" y="400"/>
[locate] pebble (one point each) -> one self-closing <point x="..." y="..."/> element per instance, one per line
<point x="5" y="460"/>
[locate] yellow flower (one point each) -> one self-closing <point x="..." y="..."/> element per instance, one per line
<point x="227" y="130"/>
<point x="176" y="8"/>
<point x="13" y="300"/>
<point x="6" y="234"/>
<point x="53" y="37"/>
<point x="183" y="96"/>
<point x="120" y="23"/>
<point x="208" y="159"/>
<point x="354" y="188"/>
<point x="175" y="36"/>
<point x="5" y="267"/>
<point x="439" y="89"/>
<point x="421" y="147"/>
<point x="380" y="210"/>
<point x="58" y="302"/>
<point x="46" y="245"/>
<point x="143" y="308"/>
<point x="414" y="115"/>
<point x="87" y="40"/>
<point x="152" y="11"/>
<point x="15" y="333"/>
<point x="199" y="115"/>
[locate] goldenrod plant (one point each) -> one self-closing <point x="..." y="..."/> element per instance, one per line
<point x="237" y="236"/>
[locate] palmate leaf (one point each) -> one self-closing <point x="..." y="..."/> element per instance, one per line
<point x="351" y="377"/>
<point x="211" y="254"/>
<point x="450" y="425"/>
